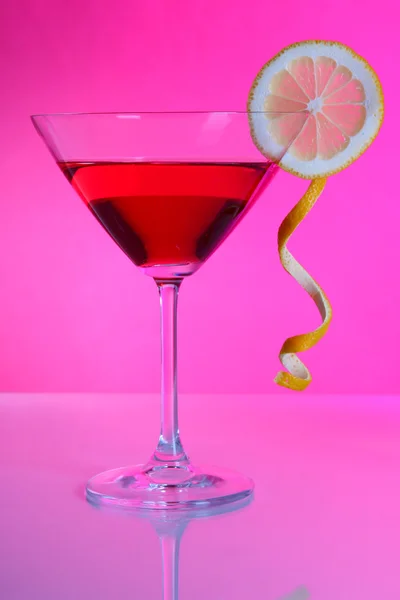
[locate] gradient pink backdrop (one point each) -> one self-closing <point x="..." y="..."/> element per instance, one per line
<point x="76" y="315"/>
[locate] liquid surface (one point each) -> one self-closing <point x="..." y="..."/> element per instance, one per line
<point x="163" y="214"/>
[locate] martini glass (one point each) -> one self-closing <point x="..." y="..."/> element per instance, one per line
<point x="168" y="188"/>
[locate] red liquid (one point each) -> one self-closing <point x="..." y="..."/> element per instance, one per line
<point x="169" y="215"/>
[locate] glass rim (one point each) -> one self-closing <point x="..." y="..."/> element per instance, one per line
<point x="159" y="113"/>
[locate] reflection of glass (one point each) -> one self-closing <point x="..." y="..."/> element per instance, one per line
<point x="168" y="188"/>
<point x="170" y="526"/>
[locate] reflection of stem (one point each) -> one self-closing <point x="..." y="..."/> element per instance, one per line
<point x="170" y="534"/>
<point x="170" y="566"/>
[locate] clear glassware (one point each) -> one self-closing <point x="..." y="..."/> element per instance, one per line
<point x="168" y="188"/>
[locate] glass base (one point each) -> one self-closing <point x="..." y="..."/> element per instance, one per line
<point x="150" y="487"/>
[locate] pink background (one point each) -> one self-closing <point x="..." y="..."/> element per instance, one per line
<point x="76" y="315"/>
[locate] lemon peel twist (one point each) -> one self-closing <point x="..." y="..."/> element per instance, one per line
<point x="297" y="376"/>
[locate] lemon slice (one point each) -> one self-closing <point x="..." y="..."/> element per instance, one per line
<point x="318" y="105"/>
<point x="314" y="108"/>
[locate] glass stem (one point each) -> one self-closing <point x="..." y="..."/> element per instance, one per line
<point x="169" y="449"/>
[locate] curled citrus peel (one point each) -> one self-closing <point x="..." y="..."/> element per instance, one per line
<point x="314" y="109"/>
<point x="298" y="376"/>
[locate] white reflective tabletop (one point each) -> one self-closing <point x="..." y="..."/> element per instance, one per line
<point x="324" y="523"/>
